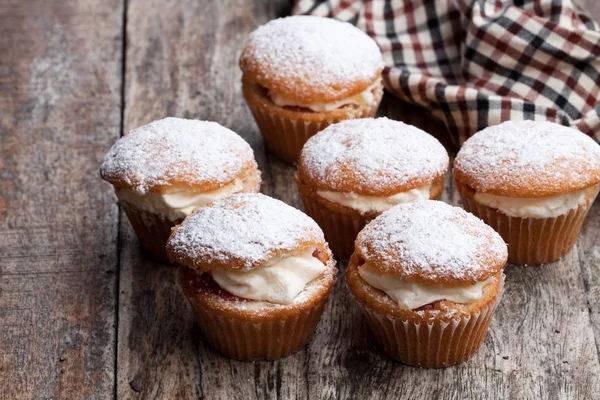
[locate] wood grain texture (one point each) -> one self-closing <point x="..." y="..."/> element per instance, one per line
<point x="60" y="79"/>
<point x="588" y="243"/>
<point x="65" y="330"/>
<point x="541" y="343"/>
<point x="181" y="61"/>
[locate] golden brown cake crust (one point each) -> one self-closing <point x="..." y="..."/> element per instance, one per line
<point x="441" y="310"/>
<point x="528" y="159"/>
<point x="374" y="157"/>
<point x="242" y="232"/>
<point x="250" y="175"/>
<point x="152" y="229"/>
<point x="310" y="59"/>
<point x="432" y="243"/>
<point x="199" y="155"/>
<point x="532" y="241"/>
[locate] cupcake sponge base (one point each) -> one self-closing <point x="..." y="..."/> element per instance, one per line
<point x="434" y="344"/>
<point x="285" y="132"/>
<point x="152" y="229"/>
<point x="254" y="341"/>
<point x="530" y="241"/>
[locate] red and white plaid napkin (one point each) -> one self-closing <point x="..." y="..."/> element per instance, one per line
<point x="474" y="63"/>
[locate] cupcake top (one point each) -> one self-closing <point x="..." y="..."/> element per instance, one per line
<point x="431" y="243"/>
<point x="528" y="159"/>
<point x="177" y="152"/>
<point x="376" y="157"/>
<point x="309" y="59"/>
<point x="242" y="232"/>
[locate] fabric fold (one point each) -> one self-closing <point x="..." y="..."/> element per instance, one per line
<point x="475" y="63"/>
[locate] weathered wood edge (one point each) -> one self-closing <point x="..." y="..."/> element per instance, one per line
<point x="180" y="61"/>
<point x="340" y="362"/>
<point x="60" y="81"/>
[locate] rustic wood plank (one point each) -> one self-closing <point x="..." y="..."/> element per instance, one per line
<point x="60" y="79"/>
<point x="588" y="246"/>
<point x="57" y="311"/>
<point x="182" y="61"/>
<point x="588" y="243"/>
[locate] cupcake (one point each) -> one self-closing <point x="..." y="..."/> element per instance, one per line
<point x="257" y="273"/>
<point x="533" y="182"/>
<point x="428" y="277"/>
<point x="354" y="170"/>
<point x="164" y="171"/>
<point x="302" y="73"/>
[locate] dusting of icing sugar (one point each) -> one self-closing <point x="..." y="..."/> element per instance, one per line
<point x="171" y="148"/>
<point x="311" y="53"/>
<point x="377" y="153"/>
<point x="529" y="154"/>
<point x="432" y="241"/>
<point x="244" y="229"/>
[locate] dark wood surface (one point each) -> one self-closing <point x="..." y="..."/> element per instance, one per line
<point x="60" y="95"/>
<point x="85" y="314"/>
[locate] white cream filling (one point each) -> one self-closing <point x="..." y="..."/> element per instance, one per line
<point x="412" y="295"/>
<point x="280" y="281"/>
<point x="377" y="204"/>
<point x="366" y="97"/>
<point x="537" y="207"/>
<point x="177" y="203"/>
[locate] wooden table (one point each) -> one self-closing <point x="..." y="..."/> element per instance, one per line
<point x="85" y="314"/>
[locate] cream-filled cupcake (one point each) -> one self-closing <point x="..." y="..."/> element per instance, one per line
<point x="354" y="170"/>
<point x="257" y="273"/>
<point x="533" y="182"/>
<point x="164" y="171"/>
<point x="303" y="73"/>
<point x="428" y="277"/>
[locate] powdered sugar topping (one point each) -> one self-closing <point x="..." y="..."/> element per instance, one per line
<point x="242" y="231"/>
<point x="377" y="154"/>
<point x="529" y="156"/>
<point x="174" y="149"/>
<point x="311" y="54"/>
<point x="432" y="242"/>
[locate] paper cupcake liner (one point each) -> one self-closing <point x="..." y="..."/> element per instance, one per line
<point x="434" y="344"/>
<point x="530" y="241"/>
<point x="152" y="229"/>
<point x="340" y="229"/>
<point x="285" y="137"/>
<point x="252" y="341"/>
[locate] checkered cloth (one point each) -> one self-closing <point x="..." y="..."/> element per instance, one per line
<point x="474" y="63"/>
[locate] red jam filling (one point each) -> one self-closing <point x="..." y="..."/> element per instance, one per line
<point x="265" y="92"/>
<point x="205" y="283"/>
<point x="298" y="109"/>
<point x="308" y="110"/>
<point x="427" y="307"/>
<point x="320" y="255"/>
